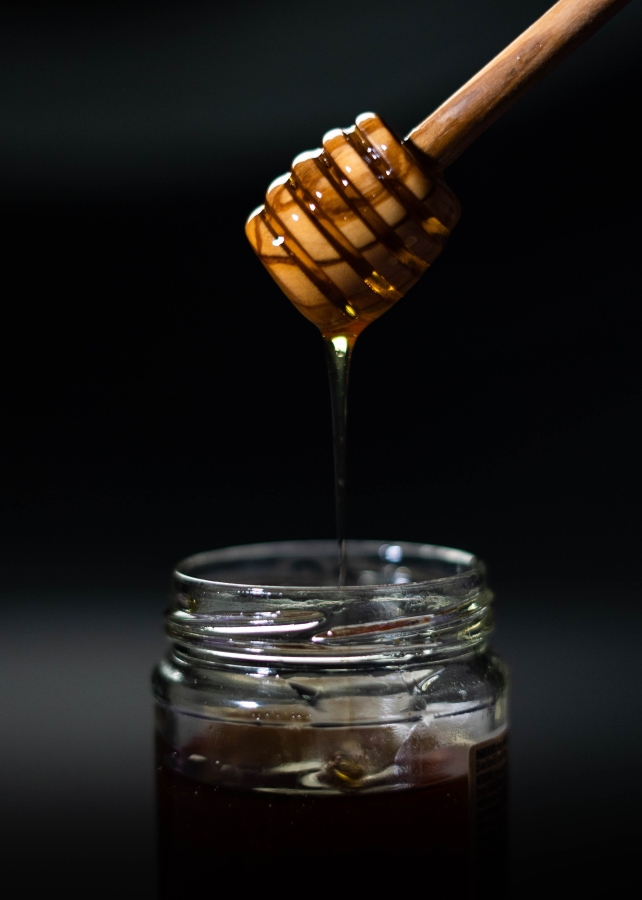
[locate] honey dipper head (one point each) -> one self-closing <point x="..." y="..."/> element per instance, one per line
<point x="352" y="227"/>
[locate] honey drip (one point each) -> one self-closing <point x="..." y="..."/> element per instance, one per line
<point x="338" y="354"/>
<point x="345" y="234"/>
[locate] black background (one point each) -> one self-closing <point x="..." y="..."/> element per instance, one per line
<point x="162" y="397"/>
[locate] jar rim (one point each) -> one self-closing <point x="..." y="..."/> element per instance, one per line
<point x="389" y="620"/>
<point x="465" y="564"/>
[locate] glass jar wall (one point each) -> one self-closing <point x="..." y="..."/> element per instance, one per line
<point x="311" y="734"/>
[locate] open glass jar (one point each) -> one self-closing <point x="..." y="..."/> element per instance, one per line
<point x="353" y="735"/>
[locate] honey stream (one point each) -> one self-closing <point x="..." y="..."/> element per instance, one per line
<point x="345" y="234"/>
<point x="338" y="355"/>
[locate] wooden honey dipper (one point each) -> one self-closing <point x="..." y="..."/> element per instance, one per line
<point x="355" y="223"/>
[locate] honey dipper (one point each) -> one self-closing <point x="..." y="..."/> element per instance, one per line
<point x="355" y="223"/>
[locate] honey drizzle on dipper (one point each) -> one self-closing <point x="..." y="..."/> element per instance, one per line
<point x="352" y="227"/>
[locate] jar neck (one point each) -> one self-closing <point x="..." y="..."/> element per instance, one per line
<point x="396" y="624"/>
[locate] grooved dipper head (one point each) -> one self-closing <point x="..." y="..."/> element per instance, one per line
<point x="352" y="227"/>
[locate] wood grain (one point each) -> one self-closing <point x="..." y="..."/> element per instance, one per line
<point x="482" y="100"/>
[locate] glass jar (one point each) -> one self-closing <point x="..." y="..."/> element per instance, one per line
<point x="310" y="735"/>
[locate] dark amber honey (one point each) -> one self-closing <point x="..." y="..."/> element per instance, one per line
<point x="431" y="838"/>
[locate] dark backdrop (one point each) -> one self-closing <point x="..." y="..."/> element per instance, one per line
<point x="162" y="396"/>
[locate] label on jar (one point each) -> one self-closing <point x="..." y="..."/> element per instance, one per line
<point x="488" y="781"/>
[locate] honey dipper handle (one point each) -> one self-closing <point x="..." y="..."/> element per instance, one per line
<point x="470" y="110"/>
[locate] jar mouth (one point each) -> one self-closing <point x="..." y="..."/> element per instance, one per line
<point x="407" y="601"/>
<point x="376" y="566"/>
